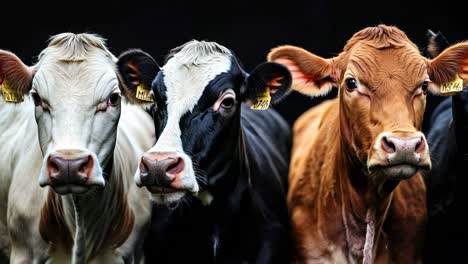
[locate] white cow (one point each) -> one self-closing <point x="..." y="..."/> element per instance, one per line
<point x="74" y="134"/>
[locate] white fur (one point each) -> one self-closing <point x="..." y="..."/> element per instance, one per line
<point x="186" y="75"/>
<point x="73" y="78"/>
<point x="72" y="92"/>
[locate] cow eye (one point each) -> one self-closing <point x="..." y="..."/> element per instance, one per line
<point x="351" y="84"/>
<point x="228" y="102"/>
<point x="424" y="86"/>
<point x="114" y="99"/>
<point x="36" y="98"/>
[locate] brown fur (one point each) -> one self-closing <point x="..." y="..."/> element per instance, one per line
<point x="445" y="66"/>
<point x="331" y="188"/>
<point x="323" y="180"/>
<point x="15" y="71"/>
<point x="121" y="226"/>
<point x="52" y="226"/>
<point x="54" y="230"/>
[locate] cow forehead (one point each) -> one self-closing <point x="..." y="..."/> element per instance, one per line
<point x="377" y="67"/>
<point x="92" y="80"/>
<point x="186" y="76"/>
<point x="75" y="66"/>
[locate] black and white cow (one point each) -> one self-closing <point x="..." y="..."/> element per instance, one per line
<point x="221" y="166"/>
<point x="447" y="183"/>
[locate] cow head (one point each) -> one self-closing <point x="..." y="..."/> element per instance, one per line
<point x="197" y="98"/>
<point x="382" y="80"/>
<point x="75" y="89"/>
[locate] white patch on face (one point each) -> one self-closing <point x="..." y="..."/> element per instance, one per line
<point x="186" y="76"/>
<point x="166" y="198"/>
<point x="205" y="197"/>
<point x="70" y="93"/>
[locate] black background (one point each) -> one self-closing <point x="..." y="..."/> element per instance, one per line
<point x="250" y="28"/>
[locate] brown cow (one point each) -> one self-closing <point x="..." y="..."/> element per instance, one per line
<point x="356" y="192"/>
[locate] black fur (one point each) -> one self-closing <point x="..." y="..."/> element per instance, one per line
<point x="241" y="157"/>
<point x="447" y="184"/>
<point x="147" y="66"/>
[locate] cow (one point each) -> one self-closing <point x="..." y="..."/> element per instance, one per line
<point x="70" y="150"/>
<point x="218" y="171"/>
<point x="446" y="183"/>
<point x="356" y="192"/>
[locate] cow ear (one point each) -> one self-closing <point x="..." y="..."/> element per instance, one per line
<point x="137" y="70"/>
<point x="15" y="77"/>
<point x="268" y="79"/>
<point x="311" y="74"/>
<point x="436" y="43"/>
<point x="449" y="69"/>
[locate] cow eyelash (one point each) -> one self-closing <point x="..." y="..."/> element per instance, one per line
<point x="113" y="99"/>
<point x="425" y="86"/>
<point x="226" y="101"/>
<point x="38" y="102"/>
<point x="351" y="83"/>
<point x="422" y="88"/>
<point x="36" y="99"/>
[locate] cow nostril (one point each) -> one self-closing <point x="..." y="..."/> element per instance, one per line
<point x="144" y="166"/>
<point x="176" y="167"/>
<point x="388" y="146"/>
<point x="172" y="166"/>
<point x="419" y="147"/>
<point x="83" y="167"/>
<point x="53" y="167"/>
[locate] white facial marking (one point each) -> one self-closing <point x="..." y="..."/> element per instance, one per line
<point x="185" y="76"/>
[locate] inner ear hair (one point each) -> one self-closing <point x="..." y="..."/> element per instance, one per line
<point x="137" y="67"/>
<point x="445" y="67"/>
<point x="313" y="66"/>
<point x="13" y="70"/>
<point x="133" y="73"/>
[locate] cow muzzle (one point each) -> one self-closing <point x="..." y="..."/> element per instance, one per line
<point x="161" y="172"/>
<point x="71" y="171"/>
<point x="399" y="155"/>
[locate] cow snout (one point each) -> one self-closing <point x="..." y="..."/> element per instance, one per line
<point x="400" y="154"/>
<point x="159" y="172"/>
<point x="404" y="147"/>
<point x="70" y="171"/>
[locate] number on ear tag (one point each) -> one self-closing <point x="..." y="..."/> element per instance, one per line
<point x="452" y="87"/>
<point x="143" y="94"/>
<point x="10" y="95"/>
<point x="263" y="100"/>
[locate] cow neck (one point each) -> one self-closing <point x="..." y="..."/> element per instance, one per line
<point x="364" y="205"/>
<point x="227" y="173"/>
<point x="100" y="219"/>
<point x="239" y="169"/>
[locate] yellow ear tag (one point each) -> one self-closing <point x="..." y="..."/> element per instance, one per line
<point x="143" y="94"/>
<point x="10" y="95"/>
<point x="452" y="87"/>
<point x="263" y="100"/>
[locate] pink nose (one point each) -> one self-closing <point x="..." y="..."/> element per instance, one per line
<point x="160" y="169"/>
<point x="64" y="168"/>
<point x="403" y="146"/>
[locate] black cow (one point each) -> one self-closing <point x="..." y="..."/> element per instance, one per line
<point x="447" y="183"/>
<point x="218" y="172"/>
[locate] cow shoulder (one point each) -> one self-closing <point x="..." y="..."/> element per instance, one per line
<point x="268" y="141"/>
<point x="309" y="122"/>
<point x="313" y="141"/>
